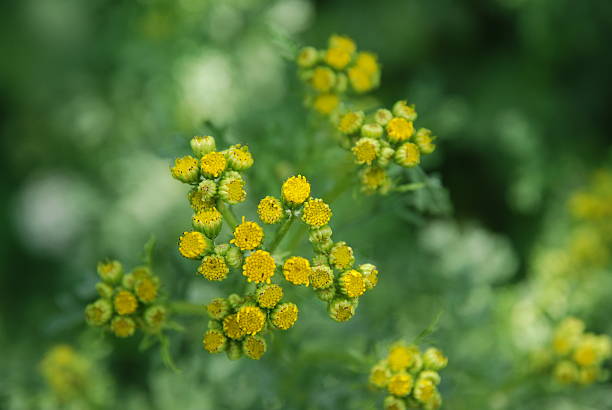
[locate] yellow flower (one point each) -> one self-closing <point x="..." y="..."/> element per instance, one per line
<point x="402" y="109"/>
<point x="213" y="164"/>
<point x="285" y="315"/>
<point x="350" y="122"/>
<point x="125" y="303"/>
<point x="424" y="390"/>
<point x="251" y="319"/>
<point x="248" y="235"/>
<point x="360" y="79"/>
<point x="341" y="310"/>
<point x="269" y="295"/>
<point x="110" y="271"/>
<point x="342" y="42"/>
<point x="323" y="79"/>
<point x="297" y="270"/>
<point x="185" y="169"/>
<point x="270" y="210"/>
<point x="231" y="327"/>
<point x="155" y="317"/>
<point x="424" y="140"/>
<point x="399" y="129"/>
<point x="337" y="57"/>
<point x="589" y="375"/>
<point x="198" y="199"/>
<point x="213" y="267"/>
<point x="373" y="178"/>
<point x="208" y="220"/>
<point x="341" y="256"/>
<point x="370" y="275"/>
<point x="98" y="312"/>
<point x="352" y="283"/>
<point x="408" y="155"/>
<point x="254" y="347"/>
<point x="433" y="359"/>
<point x="231" y="188"/>
<point x="588" y="351"/>
<point x="193" y="245"/>
<point x="379" y="375"/>
<point x="218" y="308"/>
<point x="214" y="341"/>
<point x="295" y="190"/>
<point x="567" y="334"/>
<point x="316" y="213"/>
<point x="202" y="145"/>
<point x="566" y="372"/>
<point x="400" y="384"/>
<point x="146" y="290"/>
<point x="238" y="157"/>
<point x="326" y="103"/>
<point x="259" y="267"/>
<point x="367" y="62"/>
<point x="401" y="356"/>
<point x="394" y="403"/>
<point x="321" y="277"/>
<point x="365" y="150"/>
<point x="123" y="326"/>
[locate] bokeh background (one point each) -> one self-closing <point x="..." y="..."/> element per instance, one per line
<point x="97" y="97"/>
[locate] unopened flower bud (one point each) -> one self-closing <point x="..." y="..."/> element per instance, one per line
<point x="254" y="347"/>
<point x="402" y="109"/>
<point x="383" y="116"/>
<point x="209" y="221"/>
<point x="202" y="145"/>
<point x="341" y="309"/>
<point x="350" y="122"/>
<point x="234" y="257"/>
<point x="433" y="359"/>
<point x="231" y="188"/>
<point x="123" y="326"/>
<point x="234" y="350"/>
<point x="408" y="155"/>
<point x="424" y="140"/>
<point x="214" y="341"/>
<point x="307" y="57"/>
<point x="98" y="312"/>
<point x="155" y="317"/>
<point x="104" y="290"/>
<point x="110" y="271"/>
<point x="371" y="130"/>
<point x="238" y="157"/>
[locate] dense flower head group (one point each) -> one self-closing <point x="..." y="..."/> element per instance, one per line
<point x="578" y="356"/>
<point x="238" y="324"/>
<point x="127" y="301"/>
<point x="335" y="71"/>
<point x="410" y="377"/>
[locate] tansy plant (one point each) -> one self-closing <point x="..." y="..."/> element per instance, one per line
<point x="410" y="377"/>
<point x="381" y="141"/>
<point x="239" y="322"/>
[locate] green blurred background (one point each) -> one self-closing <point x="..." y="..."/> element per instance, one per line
<point x="97" y="97"/>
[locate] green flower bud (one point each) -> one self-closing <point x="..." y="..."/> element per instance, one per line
<point x="341" y="83"/>
<point x="320" y="259"/>
<point x="209" y="221"/>
<point x="235" y="301"/>
<point x="424" y="140"/>
<point x="370" y="275"/>
<point x="350" y="122"/>
<point x="234" y="350"/>
<point x="98" y="312"/>
<point x="254" y="347"/>
<point x="320" y="234"/>
<point x="238" y="157"/>
<point x="386" y="154"/>
<point x="218" y="308"/>
<point x="123" y="326"/>
<point x="202" y="145"/>
<point x="215" y="325"/>
<point x="383" y="116"/>
<point x="341" y="256"/>
<point x="402" y="109"/>
<point x="326" y="294"/>
<point x="207" y="190"/>
<point x="231" y="188"/>
<point x="371" y="130"/>
<point x="307" y="57"/>
<point x="104" y="290"/>
<point x="214" y="341"/>
<point x="110" y="271"/>
<point x="128" y="281"/>
<point x="234" y="257"/>
<point x="408" y="155"/>
<point x="222" y="248"/>
<point x="341" y="309"/>
<point x="394" y="403"/>
<point x="566" y="372"/>
<point x="433" y="359"/>
<point x="155" y="317"/>
<point x="430" y="375"/>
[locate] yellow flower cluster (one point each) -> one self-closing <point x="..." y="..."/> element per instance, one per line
<point x="66" y="372"/>
<point x="335" y="71"/>
<point x="578" y="356"/>
<point x="410" y="377"/>
<point x="383" y="138"/>
<point x="126" y="301"/>
<point x="239" y="323"/>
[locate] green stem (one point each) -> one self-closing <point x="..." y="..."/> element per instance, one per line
<point x="182" y="307"/>
<point x="281" y="232"/>
<point x="228" y="214"/>
<point x="410" y="187"/>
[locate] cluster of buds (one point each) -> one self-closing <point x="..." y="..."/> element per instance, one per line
<point x="383" y="138"/>
<point x="333" y="72"/>
<point x="66" y="372"/>
<point x="127" y="301"/>
<point x="239" y="322"/>
<point x="410" y="376"/>
<point x="578" y="356"/>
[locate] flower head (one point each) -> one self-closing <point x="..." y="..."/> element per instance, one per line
<point x="231" y="327"/>
<point x="213" y="267"/>
<point x="98" y="312"/>
<point x="248" y="235"/>
<point x="361" y="80"/>
<point x="342" y="42"/>
<point x="433" y="359"/>
<point x="402" y="109"/>
<point x="270" y="210"/>
<point x="350" y="122"/>
<point x="316" y="213"/>
<point x="399" y="129"/>
<point x="321" y="277"/>
<point x="251" y="319"/>
<point x="146" y="289"/>
<point x="213" y="164"/>
<point x="424" y="390"/>
<point x="401" y="357"/>
<point x="373" y="178"/>
<point x="337" y="57"/>
<point x="295" y="190"/>
<point x="254" y="347"/>
<point x="323" y="79"/>
<point x="218" y="308"/>
<point x="365" y="150"/>
<point x="379" y="375"/>
<point x="307" y="57"/>
<point x="125" y="302"/>
<point x="424" y="140"/>
<point x="326" y="103"/>
<point x="238" y="157"/>
<point x="408" y="155"/>
<point x="285" y="315"/>
<point x="341" y="310"/>
<point x="185" y="169"/>
<point x="202" y="145"/>
<point x="231" y="188"/>
<point x="400" y="384"/>
<point x="123" y="326"/>
<point x="268" y="296"/>
<point x="214" y="341"/>
<point x="352" y="283"/>
<point x="110" y="271"/>
<point x="208" y="220"/>
<point x="297" y="270"/>
<point x="193" y="245"/>
<point x="367" y="62"/>
<point x="259" y="267"/>
<point x="341" y="256"/>
<point x="155" y="317"/>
